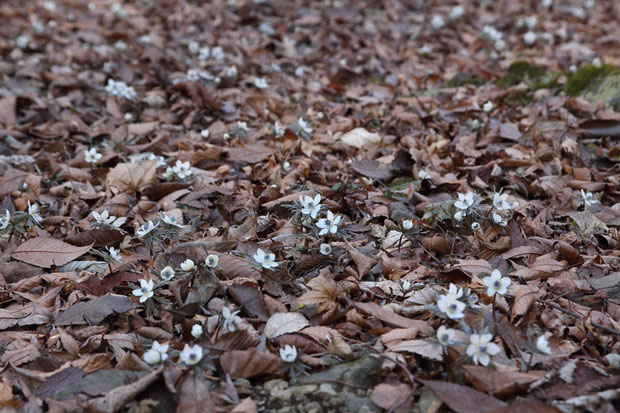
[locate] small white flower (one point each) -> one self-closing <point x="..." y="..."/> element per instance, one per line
<point x="5" y="219"/>
<point x="286" y="166"/>
<point x="172" y="221"/>
<point x="278" y="129"/>
<point x="304" y="126"/>
<point x="33" y="211"/>
<point x="205" y="133"/>
<point x="578" y="12"/>
<point x="588" y="198"/>
<point x="191" y="355"/>
<point x="115" y="254"/>
<point x="547" y="3"/>
<point x="197" y="330"/>
<point x="260" y="83"/>
<point x="542" y="345"/>
<point x="212" y="260"/>
<point x="499" y="220"/>
<point x="488" y="106"/>
<point x="597" y="62"/>
<point x="457" y="12"/>
<point x="168" y="173"/>
<point x="463" y="204"/>
<point x="145" y="291"/>
<point x="187" y="265"/>
<point x="531" y="21"/>
<point x="182" y="169"/>
<point x="329" y="224"/>
<point x="445" y="336"/>
<point x="423" y="175"/>
<point x="481" y="348"/>
<point x="91" y="156"/>
<point x="310" y="206"/>
<point x="167" y="273"/>
<point x="496" y="284"/>
<point x="104" y="218"/>
<point x="500" y="202"/>
<point x="500" y="44"/>
<point x="288" y="354"/>
<point x="475" y="226"/>
<point x="325" y="249"/>
<point x="407" y="224"/>
<point x="406" y="285"/>
<point x="426" y="49"/>
<point x="242" y="126"/>
<point x="530" y="38"/>
<point x="265" y="260"/>
<point x="231" y="71"/>
<point x="193" y="47"/>
<point x="119" y="88"/>
<point x="449" y="303"/>
<point x="229" y="318"/>
<point x="218" y="53"/>
<point x="146" y="228"/>
<point x="437" y="22"/>
<point x="156" y="354"/>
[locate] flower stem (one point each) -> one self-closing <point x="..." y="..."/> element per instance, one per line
<point x="493" y="309"/>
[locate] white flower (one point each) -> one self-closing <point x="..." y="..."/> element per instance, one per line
<point x="304" y="126"/>
<point x="191" y="355"/>
<point x="406" y="285"/>
<point x="457" y="12"/>
<point x="499" y="220"/>
<point x="445" y="335"/>
<point x="542" y="345"/>
<point x="156" y="354"/>
<point x="104" y="218"/>
<point x="265" y="260"/>
<point x="547" y="3"/>
<point x="531" y="21"/>
<point x="146" y="228"/>
<point x="196" y="330"/>
<point x="167" y="273"/>
<point x="500" y="202"/>
<point x="329" y="224"/>
<point x="310" y="206"/>
<point x="325" y="249"/>
<point x="243" y="126"/>
<point x="463" y="204"/>
<point x="5" y="219"/>
<point x="260" y="83"/>
<point x="492" y="33"/>
<point x="481" y="348"/>
<point x="578" y="12"/>
<point x="449" y="303"/>
<point x="145" y="291"/>
<point x="426" y="49"/>
<point x="286" y="166"/>
<point x="33" y="211"/>
<point x="488" y="106"/>
<point x="212" y="260"/>
<point x="423" y="174"/>
<point x="231" y="71"/>
<point x="278" y="129"/>
<point x="597" y="62"/>
<point x="407" y="224"/>
<point x="530" y="38"/>
<point x="500" y="44"/>
<point x="229" y="318"/>
<point x="172" y="221"/>
<point x="115" y="254"/>
<point x="288" y="354"/>
<point x="205" y="133"/>
<point x="119" y="88"/>
<point x="168" y="173"/>
<point x="193" y="47"/>
<point x="218" y="53"/>
<point x="588" y="198"/>
<point x="182" y="169"/>
<point x="187" y="265"/>
<point x="475" y="226"/>
<point x="437" y="22"/>
<point x="496" y="284"/>
<point x="91" y="156"/>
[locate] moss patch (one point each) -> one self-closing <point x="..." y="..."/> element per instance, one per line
<point x="518" y="71"/>
<point x="462" y="79"/>
<point x="588" y="79"/>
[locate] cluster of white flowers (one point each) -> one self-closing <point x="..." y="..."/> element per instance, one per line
<point x="494" y="36"/>
<point x="106" y="220"/>
<point x="157" y="353"/>
<point x="120" y="88"/>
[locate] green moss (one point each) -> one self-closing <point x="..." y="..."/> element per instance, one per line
<point x="588" y="78"/>
<point x="518" y="71"/>
<point x="518" y="98"/>
<point x="462" y="79"/>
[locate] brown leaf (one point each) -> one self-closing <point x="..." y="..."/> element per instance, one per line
<point x="94" y="311"/>
<point x="251" y="299"/>
<point x="96" y="286"/>
<point x="424" y="348"/>
<point x="247" y="405"/>
<point x="284" y="323"/>
<point x="249" y="363"/>
<point x="525" y="296"/>
<point x="323" y="292"/>
<point x="373" y="169"/>
<point x="231" y="267"/>
<point x="118" y="397"/>
<point x="388" y="396"/>
<point x="500" y="383"/>
<point x="131" y="177"/>
<point x="527" y="407"/>
<point x="99" y="237"/>
<point x="45" y="252"/>
<point x="159" y="190"/>
<point x="250" y="153"/>
<point x="463" y="399"/>
<point x="362" y="261"/>
<point x="391" y="318"/>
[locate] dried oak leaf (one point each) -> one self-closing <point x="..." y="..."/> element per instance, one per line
<point x="284" y="323"/>
<point x="159" y="190"/>
<point x="463" y="399"/>
<point x="100" y="237"/>
<point x="251" y="299"/>
<point x="500" y="383"/>
<point x="373" y="169"/>
<point x="323" y="292"/>
<point x="126" y="177"/>
<point x="391" y="397"/>
<point x="250" y="153"/>
<point x="45" y="252"/>
<point x="525" y="296"/>
<point x="94" y="311"/>
<point x="117" y="398"/>
<point x="249" y="363"/>
<point x="391" y="318"/>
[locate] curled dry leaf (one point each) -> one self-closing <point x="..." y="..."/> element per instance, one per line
<point x="323" y="292"/>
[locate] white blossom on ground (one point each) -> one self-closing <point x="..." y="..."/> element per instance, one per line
<point x="407" y="224"/>
<point x="496" y="284"/>
<point x="530" y="38"/>
<point x="145" y="291"/>
<point x="92" y="156"/>
<point x="170" y="220"/>
<point x="187" y="265"/>
<point x="278" y="129"/>
<point x="205" y="133"/>
<point x="114" y="254"/>
<point x="119" y="88"/>
<point x="33" y="211"/>
<point x="212" y="260"/>
<point x="157" y="353"/>
<point x="191" y="355"/>
<point x="146" y="228"/>
<point x="488" y="106"/>
<point x="167" y="273"/>
<point x="266" y="260"/>
<point x="463" y="205"/>
<point x="588" y="198"/>
<point x="304" y="126"/>
<point x="288" y="354"/>
<point x="542" y="345"/>
<point x="481" y="348"/>
<point x="445" y="336"/>
<point x="197" y="331"/>
<point x="229" y="318"/>
<point x="310" y="206"/>
<point x="325" y="249"/>
<point x="437" y="22"/>
<point x="450" y="305"/>
<point x="457" y="12"/>
<point x="500" y="202"/>
<point x="182" y="169"/>
<point x="329" y="224"/>
<point x="5" y="219"/>
<point x="499" y="220"/>
<point x="261" y="83"/>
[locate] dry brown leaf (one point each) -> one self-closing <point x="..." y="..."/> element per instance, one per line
<point x="501" y="383"/>
<point x="363" y="262"/>
<point x="284" y="323"/>
<point x="525" y="296"/>
<point x="391" y="318"/>
<point x="45" y="252"/>
<point x="117" y="398"/>
<point x="131" y="177"/>
<point x="322" y="292"/>
<point x="249" y="363"/>
<point x="94" y="311"/>
<point x="463" y="399"/>
<point x="396" y="398"/>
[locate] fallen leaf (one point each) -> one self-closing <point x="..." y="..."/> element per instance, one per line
<point x="361" y="138"/>
<point x="284" y="323"/>
<point x="249" y="363"/>
<point x="94" y="311"/>
<point x="126" y="177"/>
<point x="463" y="399"/>
<point x="45" y="252"/>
